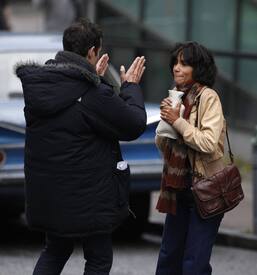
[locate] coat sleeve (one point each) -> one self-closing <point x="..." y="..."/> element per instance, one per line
<point x="205" y="138"/>
<point x="121" y="117"/>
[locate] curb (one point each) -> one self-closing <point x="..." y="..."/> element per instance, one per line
<point x="229" y="237"/>
<point x="226" y="237"/>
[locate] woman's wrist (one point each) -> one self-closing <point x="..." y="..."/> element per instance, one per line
<point x="174" y="120"/>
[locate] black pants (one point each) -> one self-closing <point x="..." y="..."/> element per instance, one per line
<point x="97" y="253"/>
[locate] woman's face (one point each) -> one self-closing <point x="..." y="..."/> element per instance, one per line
<point x="183" y="74"/>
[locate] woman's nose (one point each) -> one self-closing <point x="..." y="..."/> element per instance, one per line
<point x="176" y="67"/>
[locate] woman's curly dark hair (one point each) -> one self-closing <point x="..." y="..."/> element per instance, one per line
<point x="199" y="58"/>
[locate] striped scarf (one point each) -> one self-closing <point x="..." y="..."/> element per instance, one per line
<point x="176" y="166"/>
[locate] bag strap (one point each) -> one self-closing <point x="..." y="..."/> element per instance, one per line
<point x="229" y="147"/>
<point x="231" y="156"/>
<point x="196" y="122"/>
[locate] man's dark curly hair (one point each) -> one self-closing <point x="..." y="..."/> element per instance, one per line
<point x="81" y="36"/>
<point x="199" y="58"/>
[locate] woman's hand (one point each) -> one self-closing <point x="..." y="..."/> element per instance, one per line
<point x="102" y="64"/>
<point x="169" y="114"/>
<point x="165" y="102"/>
<point x="135" y="71"/>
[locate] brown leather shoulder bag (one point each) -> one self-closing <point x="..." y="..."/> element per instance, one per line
<point x="219" y="193"/>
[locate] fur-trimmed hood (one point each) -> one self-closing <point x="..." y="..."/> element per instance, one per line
<point x="57" y="84"/>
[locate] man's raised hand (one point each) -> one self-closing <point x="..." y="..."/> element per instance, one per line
<point x="135" y="71"/>
<point x="102" y="64"/>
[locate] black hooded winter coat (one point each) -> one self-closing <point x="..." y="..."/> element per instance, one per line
<point x="73" y="124"/>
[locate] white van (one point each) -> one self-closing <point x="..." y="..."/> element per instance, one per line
<point x="16" y="48"/>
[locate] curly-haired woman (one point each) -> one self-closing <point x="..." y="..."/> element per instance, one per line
<point x="187" y="238"/>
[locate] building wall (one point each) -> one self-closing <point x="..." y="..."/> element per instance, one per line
<point x="220" y="25"/>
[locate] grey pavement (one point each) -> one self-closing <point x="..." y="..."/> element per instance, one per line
<point x="138" y="258"/>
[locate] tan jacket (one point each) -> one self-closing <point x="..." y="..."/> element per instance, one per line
<point x="207" y="139"/>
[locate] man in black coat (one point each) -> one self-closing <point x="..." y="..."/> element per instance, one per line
<point x="75" y="178"/>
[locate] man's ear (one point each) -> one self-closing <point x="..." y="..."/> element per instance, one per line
<point x="91" y="52"/>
